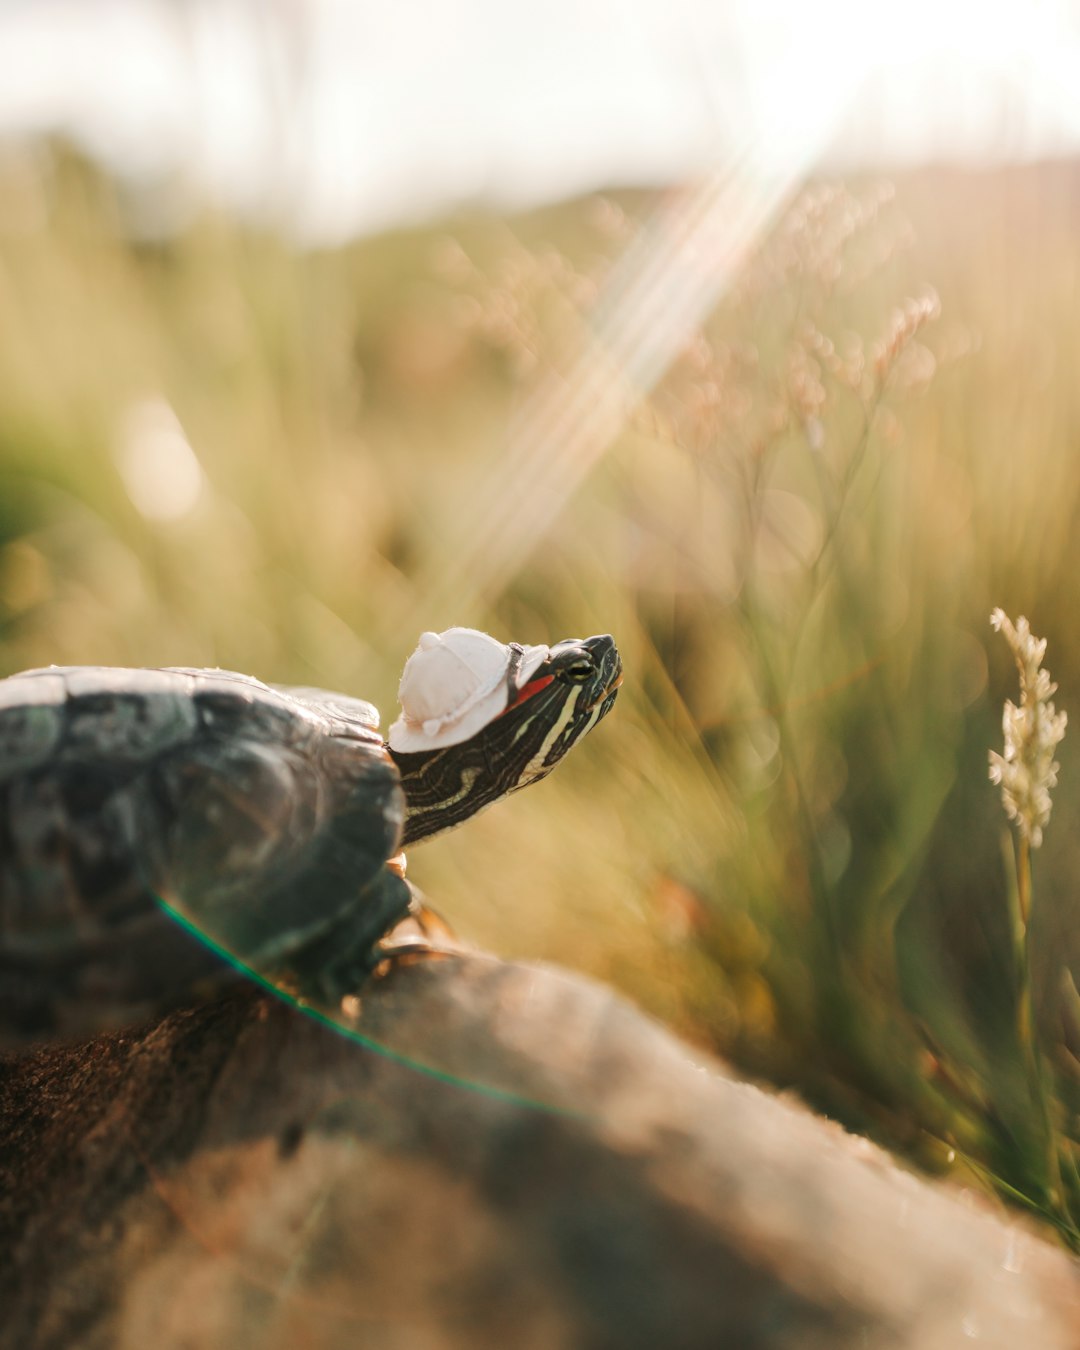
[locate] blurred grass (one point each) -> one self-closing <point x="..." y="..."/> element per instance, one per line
<point x="783" y="842"/>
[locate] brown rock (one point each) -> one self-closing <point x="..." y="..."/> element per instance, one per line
<point x="526" y="1162"/>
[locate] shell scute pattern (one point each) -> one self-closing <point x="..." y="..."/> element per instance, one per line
<point x="225" y="708"/>
<point x="348" y="716"/>
<point x="30" y="727"/>
<point x="229" y="806"/>
<point x="74" y="715"/>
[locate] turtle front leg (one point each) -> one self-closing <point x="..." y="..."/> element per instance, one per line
<point x="337" y="965"/>
<point x="428" y="920"/>
<point x="339" y="961"/>
<point x="424" y="916"/>
<point x="423" y="932"/>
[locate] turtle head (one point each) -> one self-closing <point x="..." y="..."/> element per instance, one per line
<point x="481" y="720"/>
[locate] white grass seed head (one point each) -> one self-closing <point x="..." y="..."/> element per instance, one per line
<point x="1027" y="770"/>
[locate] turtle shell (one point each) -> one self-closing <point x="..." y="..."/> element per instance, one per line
<point x="259" y="817"/>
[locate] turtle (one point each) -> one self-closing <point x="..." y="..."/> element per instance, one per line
<point x="268" y="820"/>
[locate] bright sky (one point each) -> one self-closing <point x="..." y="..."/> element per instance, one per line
<point x="338" y="116"/>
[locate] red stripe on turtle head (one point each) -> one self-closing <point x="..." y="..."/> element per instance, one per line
<point x="533" y="687"/>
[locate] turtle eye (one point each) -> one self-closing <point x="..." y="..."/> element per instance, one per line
<point x="578" y="671"/>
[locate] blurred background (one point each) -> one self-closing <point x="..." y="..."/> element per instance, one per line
<point x="746" y="332"/>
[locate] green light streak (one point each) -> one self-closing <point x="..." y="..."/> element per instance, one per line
<point x="327" y="1019"/>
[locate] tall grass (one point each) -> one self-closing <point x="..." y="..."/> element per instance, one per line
<point x="783" y="841"/>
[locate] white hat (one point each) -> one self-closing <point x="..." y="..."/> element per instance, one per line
<point x="453" y="685"/>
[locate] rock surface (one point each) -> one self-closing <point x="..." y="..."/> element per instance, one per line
<point x="526" y="1162"/>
